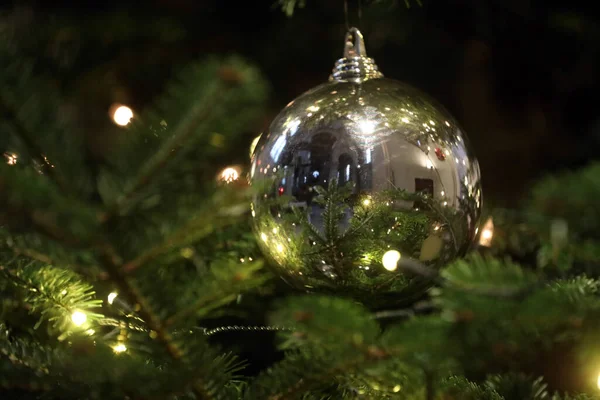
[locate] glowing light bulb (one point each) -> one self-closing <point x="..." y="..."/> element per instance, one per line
<point x="78" y="318"/>
<point x="390" y="260"/>
<point x="229" y="174"/>
<point x="280" y="248"/>
<point x="11" y="158"/>
<point x="122" y="115"/>
<point x="366" y="202"/>
<point x="112" y="297"/>
<point x="396" y="388"/>
<point x="263" y="237"/>
<point x="119" y="348"/>
<point x="487" y="233"/>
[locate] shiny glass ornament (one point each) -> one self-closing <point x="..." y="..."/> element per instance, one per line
<point x="359" y="176"/>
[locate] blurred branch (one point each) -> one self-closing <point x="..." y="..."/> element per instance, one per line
<point x="197" y="228"/>
<point x="10" y="114"/>
<point x="161" y="157"/>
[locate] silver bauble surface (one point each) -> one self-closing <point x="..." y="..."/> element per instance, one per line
<point x="360" y="176"/>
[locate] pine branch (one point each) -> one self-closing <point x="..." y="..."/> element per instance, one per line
<point x="46" y="259"/>
<point x="111" y="263"/>
<point x="439" y="212"/>
<point x="489" y="277"/>
<point x="460" y="388"/>
<point x="35" y="150"/>
<point x="332" y="211"/>
<point x="579" y="209"/>
<point x="405" y="313"/>
<point x="34" y="255"/>
<point x="205" y="389"/>
<point x="197" y="227"/>
<point x="518" y="386"/>
<point x="173" y="241"/>
<point x="28" y="355"/>
<point x="37" y="119"/>
<point x="314" y="234"/>
<point x="338" y="339"/>
<point x="49" y="253"/>
<point x="28" y="367"/>
<point x="158" y="161"/>
<point x="53" y="293"/>
<point x="221" y="287"/>
<point x="199" y="103"/>
<point x="363" y="357"/>
<point x="32" y="199"/>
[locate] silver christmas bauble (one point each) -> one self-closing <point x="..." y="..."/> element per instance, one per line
<point x="360" y="176"/>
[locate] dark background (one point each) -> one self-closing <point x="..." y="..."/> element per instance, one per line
<point x="520" y="75"/>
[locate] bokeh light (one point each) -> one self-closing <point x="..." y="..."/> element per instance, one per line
<point x="122" y="115"/>
<point x="390" y="260"/>
<point x="78" y="318"/>
<point x="119" y="348"/>
<point x="230" y="174"/>
<point x="487" y="233"/>
<point x="111" y="297"/>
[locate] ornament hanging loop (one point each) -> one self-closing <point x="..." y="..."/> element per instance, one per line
<point x="355" y="44"/>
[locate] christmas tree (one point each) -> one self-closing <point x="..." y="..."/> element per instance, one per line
<point x="128" y="267"/>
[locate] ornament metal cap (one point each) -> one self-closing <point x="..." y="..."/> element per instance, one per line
<point x="355" y="66"/>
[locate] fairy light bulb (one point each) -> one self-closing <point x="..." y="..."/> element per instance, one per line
<point x="122" y="115"/>
<point x="487" y="234"/>
<point x="111" y="297"/>
<point x="390" y="260"/>
<point x="119" y="348"/>
<point x="11" y="158"/>
<point x="78" y="318"/>
<point x="229" y="174"/>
